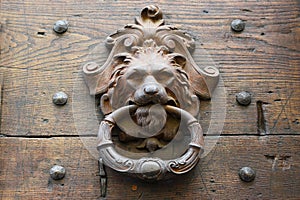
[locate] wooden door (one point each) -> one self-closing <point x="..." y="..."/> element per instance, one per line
<point x="35" y="134"/>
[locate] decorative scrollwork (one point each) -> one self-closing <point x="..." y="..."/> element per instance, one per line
<point x="150" y="88"/>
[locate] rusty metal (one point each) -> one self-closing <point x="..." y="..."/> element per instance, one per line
<point x="103" y="178"/>
<point x="150" y="89"/>
<point x="60" y="98"/>
<point x="57" y="172"/>
<point x="243" y="98"/>
<point x="247" y="174"/>
<point x="61" y="26"/>
<point x="238" y="25"/>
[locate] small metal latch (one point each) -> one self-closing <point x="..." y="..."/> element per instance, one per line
<point x="103" y="178"/>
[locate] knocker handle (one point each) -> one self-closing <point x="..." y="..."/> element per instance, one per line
<point x="150" y="168"/>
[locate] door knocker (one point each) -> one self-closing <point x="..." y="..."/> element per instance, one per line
<point x="150" y="88"/>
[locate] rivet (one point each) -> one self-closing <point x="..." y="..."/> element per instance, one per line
<point x="91" y="66"/>
<point x="61" y="26"/>
<point x="57" y="172"/>
<point x="247" y="174"/>
<point x="60" y="98"/>
<point x="243" y="98"/>
<point x="238" y="25"/>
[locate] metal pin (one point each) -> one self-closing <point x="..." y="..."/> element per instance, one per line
<point x="103" y="178"/>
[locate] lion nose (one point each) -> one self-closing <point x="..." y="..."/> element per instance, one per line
<point x="151" y="89"/>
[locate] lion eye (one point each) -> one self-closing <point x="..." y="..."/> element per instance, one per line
<point x="133" y="75"/>
<point x="135" y="78"/>
<point x="164" y="76"/>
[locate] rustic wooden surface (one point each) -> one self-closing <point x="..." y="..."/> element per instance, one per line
<point x="25" y="165"/>
<point x="1" y="84"/>
<point x="263" y="59"/>
<point x="35" y="62"/>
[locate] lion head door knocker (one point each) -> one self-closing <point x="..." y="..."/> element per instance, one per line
<point x="150" y="89"/>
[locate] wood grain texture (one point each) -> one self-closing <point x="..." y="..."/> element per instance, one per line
<point x="264" y="59"/>
<point x="35" y="62"/>
<point x="1" y="84"/>
<point x="25" y="164"/>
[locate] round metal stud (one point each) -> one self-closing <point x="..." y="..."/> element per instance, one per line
<point x="57" y="172"/>
<point x="243" y="98"/>
<point x="247" y="174"/>
<point x="91" y="66"/>
<point x="237" y="25"/>
<point x="61" y="26"/>
<point x="60" y="98"/>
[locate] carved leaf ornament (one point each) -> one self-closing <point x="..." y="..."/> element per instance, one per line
<point x="150" y="88"/>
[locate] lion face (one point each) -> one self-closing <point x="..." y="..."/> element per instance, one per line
<point x="150" y="83"/>
<point x="150" y="78"/>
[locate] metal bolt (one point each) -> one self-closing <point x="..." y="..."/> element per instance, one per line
<point x="60" y="98"/>
<point x="61" y="26"/>
<point x="243" y="98"/>
<point x="91" y="66"/>
<point x="247" y="174"/>
<point x="57" y="172"/>
<point x="238" y="25"/>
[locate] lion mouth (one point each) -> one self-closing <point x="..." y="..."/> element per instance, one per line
<point x="170" y="101"/>
<point x="157" y="127"/>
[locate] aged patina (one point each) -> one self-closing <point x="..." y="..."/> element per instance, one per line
<point x="150" y="89"/>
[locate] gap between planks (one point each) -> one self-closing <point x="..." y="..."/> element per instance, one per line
<point x="1" y="98"/>
<point x="94" y="136"/>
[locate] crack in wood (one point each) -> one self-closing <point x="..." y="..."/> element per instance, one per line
<point x="45" y="136"/>
<point x="262" y="127"/>
<point x="1" y="98"/>
<point x="94" y="136"/>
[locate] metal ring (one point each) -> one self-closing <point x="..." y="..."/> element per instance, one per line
<point x="150" y="168"/>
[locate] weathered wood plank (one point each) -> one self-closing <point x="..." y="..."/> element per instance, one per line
<point x="28" y="107"/>
<point x="216" y="177"/>
<point x="91" y="24"/>
<point x="25" y="164"/>
<point x="264" y="59"/>
<point x="1" y="84"/>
